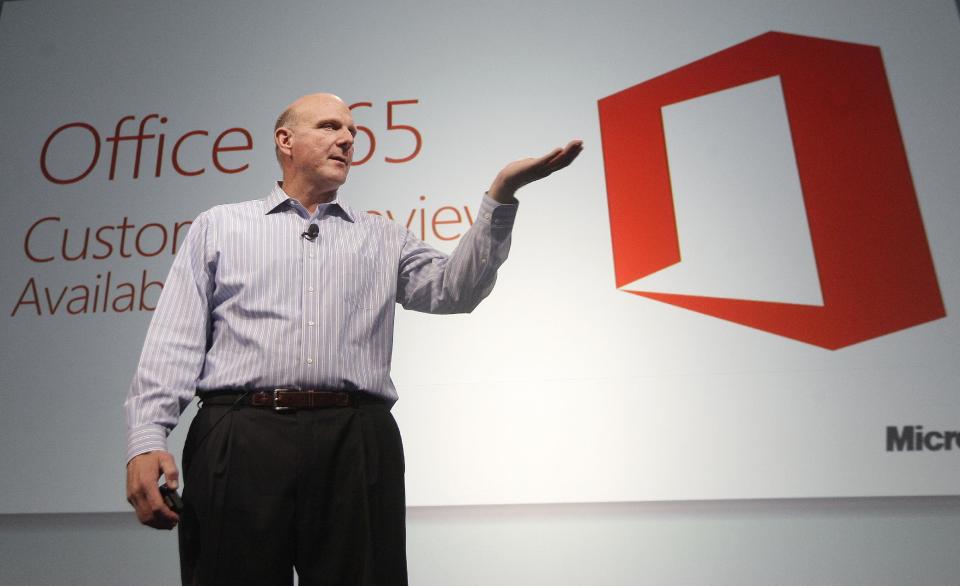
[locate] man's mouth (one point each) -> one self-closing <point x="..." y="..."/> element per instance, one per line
<point x="339" y="158"/>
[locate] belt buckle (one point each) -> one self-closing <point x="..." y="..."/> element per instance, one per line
<point x="276" y="400"/>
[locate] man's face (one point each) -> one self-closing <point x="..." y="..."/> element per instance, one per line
<point x="321" y="141"/>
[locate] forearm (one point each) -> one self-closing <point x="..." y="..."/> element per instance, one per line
<point x="429" y="281"/>
<point x="162" y="387"/>
<point x="436" y="283"/>
<point x="174" y="350"/>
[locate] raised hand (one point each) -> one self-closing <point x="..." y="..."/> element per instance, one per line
<point x="525" y="171"/>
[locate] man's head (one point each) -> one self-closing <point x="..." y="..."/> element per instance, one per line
<point x="314" y="142"/>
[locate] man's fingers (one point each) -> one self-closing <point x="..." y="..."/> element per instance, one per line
<point x="169" y="468"/>
<point x="159" y="514"/>
<point x="525" y="171"/>
<point x="547" y="158"/>
<point x="559" y="158"/>
<point x="566" y="155"/>
<point x="150" y="508"/>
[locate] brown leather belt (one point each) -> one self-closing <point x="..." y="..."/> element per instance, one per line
<point x="286" y="399"/>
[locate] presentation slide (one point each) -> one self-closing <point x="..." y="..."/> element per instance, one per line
<point x="745" y="288"/>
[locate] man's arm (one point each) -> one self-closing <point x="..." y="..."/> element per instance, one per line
<point x="165" y="381"/>
<point x="432" y="282"/>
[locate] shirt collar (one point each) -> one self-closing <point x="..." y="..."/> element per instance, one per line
<point x="279" y="200"/>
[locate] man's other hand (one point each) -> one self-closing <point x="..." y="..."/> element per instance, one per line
<point x="143" y="492"/>
<point x="525" y="171"/>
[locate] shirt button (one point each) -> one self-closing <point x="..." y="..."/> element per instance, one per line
<point x="312" y="255"/>
<point x="310" y="289"/>
<point x="310" y="323"/>
<point x="483" y="260"/>
<point x="309" y="360"/>
<point x="486" y="216"/>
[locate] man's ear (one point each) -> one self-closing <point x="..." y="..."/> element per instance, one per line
<point x="283" y="137"/>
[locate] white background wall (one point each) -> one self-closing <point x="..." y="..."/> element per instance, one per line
<point x="567" y="333"/>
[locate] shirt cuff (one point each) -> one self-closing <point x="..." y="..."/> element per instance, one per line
<point x="146" y="438"/>
<point x="498" y="215"/>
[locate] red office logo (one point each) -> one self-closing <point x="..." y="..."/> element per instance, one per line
<point x="875" y="269"/>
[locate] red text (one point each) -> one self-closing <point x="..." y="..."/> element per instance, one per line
<point x="146" y="141"/>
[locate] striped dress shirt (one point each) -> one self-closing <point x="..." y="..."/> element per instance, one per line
<point x="250" y="304"/>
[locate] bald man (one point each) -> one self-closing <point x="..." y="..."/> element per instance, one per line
<point x="278" y="314"/>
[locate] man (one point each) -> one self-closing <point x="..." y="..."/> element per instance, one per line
<point x="278" y="313"/>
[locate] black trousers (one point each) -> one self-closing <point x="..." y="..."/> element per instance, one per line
<point x="320" y="490"/>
